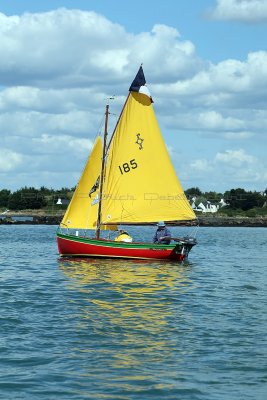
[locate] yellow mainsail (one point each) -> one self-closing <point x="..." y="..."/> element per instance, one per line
<point x="140" y="184"/>
<point x="83" y="208"/>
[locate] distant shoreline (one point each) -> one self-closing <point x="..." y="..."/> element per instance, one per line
<point x="39" y="218"/>
<point x="257" y="222"/>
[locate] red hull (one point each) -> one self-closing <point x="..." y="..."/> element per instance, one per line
<point x="69" y="245"/>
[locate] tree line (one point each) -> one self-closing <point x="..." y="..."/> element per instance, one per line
<point x="32" y="198"/>
<point x="239" y="201"/>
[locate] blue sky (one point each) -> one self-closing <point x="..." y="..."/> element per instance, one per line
<point x="205" y="64"/>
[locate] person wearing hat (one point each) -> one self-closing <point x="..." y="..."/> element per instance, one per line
<point x="162" y="235"/>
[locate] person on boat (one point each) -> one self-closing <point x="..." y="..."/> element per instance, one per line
<point x="123" y="236"/>
<point x="162" y="235"/>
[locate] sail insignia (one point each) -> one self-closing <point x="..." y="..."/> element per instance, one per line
<point x="139" y="141"/>
<point x="94" y="187"/>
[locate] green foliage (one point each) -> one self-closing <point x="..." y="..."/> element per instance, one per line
<point x="4" y="196"/>
<point x="213" y="197"/>
<point x="229" y="212"/>
<point x="259" y="212"/>
<point x="45" y="191"/>
<point x="239" y="198"/>
<point x="251" y="213"/>
<point x="64" y="192"/>
<point x="226" y="211"/>
<point x="26" y="198"/>
<point x="194" y="191"/>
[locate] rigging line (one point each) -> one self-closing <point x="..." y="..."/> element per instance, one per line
<point x="102" y="120"/>
<point x="100" y="127"/>
<point x="195" y="230"/>
<point x="114" y="130"/>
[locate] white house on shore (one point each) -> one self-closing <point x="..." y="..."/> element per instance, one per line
<point x="207" y="206"/>
<point x="62" y="201"/>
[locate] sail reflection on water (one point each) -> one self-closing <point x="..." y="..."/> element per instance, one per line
<point x="134" y="305"/>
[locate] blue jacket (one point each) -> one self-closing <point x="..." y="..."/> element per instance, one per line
<point x="161" y="233"/>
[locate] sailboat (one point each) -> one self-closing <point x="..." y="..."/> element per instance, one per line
<point x="128" y="180"/>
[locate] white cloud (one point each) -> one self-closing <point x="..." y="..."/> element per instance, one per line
<point x="9" y="160"/>
<point x="223" y="81"/>
<point x="66" y="48"/>
<point x="227" y="99"/>
<point x="200" y="165"/>
<point x="164" y="43"/>
<point x="239" y="135"/>
<point x="208" y="122"/>
<point x="240" y="10"/>
<point x="213" y="120"/>
<point x="235" y="158"/>
<point x="58" y="68"/>
<point x="49" y="144"/>
<point x="33" y="124"/>
<point x="59" y="45"/>
<point x="228" y="169"/>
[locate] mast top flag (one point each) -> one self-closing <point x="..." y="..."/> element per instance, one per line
<point x="139" y="84"/>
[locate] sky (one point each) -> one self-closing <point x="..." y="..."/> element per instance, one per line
<point x="205" y="63"/>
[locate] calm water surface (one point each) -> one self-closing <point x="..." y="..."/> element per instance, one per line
<point x="129" y="330"/>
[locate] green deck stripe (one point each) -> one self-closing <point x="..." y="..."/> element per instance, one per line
<point x="97" y="242"/>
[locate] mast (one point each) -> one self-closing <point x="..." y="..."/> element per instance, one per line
<point x="102" y="173"/>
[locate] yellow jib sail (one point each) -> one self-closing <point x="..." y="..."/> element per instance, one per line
<point x="140" y="182"/>
<point x="83" y="208"/>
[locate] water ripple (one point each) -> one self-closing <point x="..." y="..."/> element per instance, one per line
<point x="129" y="330"/>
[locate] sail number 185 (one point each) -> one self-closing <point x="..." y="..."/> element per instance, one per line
<point x="126" y="167"/>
